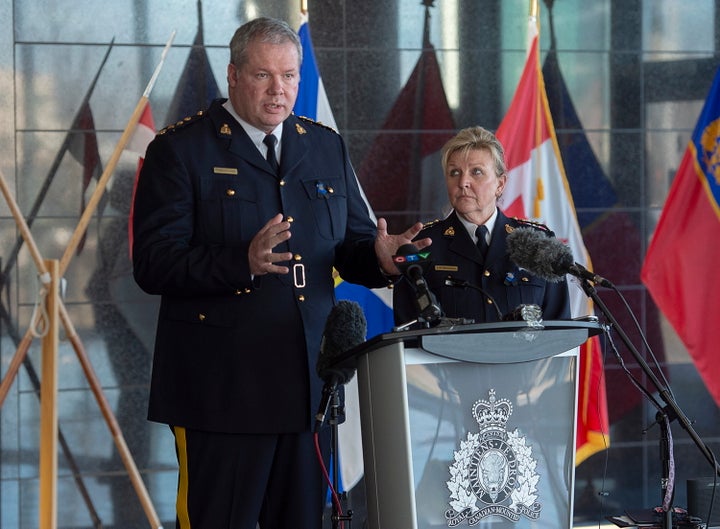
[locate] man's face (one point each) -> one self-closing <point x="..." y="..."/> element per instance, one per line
<point x="264" y="89"/>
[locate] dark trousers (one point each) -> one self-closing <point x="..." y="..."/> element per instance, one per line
<point x="237" y="481"/>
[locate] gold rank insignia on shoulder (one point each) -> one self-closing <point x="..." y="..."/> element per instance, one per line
<point x="299" y="128"/>
<point x="175" y="126"/>
<point x="538" y="225"/>
<point x="225" y="130"/>
<point x="450" y="232"/>
<point x="318" y="123"/>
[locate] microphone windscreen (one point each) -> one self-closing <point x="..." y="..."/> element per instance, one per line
<point x="407" y="249"/>
<point x="545" y="257"/>
<point x="345" y="328"/>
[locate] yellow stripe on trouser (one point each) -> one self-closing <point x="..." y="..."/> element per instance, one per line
<point x="182" y="494"/>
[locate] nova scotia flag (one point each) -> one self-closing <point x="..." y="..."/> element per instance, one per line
<point x="312" y="102"/>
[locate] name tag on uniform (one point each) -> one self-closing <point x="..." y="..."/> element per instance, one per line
<point x="225" y="170"/>
<point x="446" y="268"/>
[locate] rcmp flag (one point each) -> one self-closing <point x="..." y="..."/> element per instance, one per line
<point x="682" y="248"/>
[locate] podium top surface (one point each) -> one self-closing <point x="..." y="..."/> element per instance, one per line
<point x="498" y="342"/>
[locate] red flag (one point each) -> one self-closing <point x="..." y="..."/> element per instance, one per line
<point x="83" y="147"/>
<point x="537" y="188"/>
<point x="402" y="170"/>
<point x="141" y="138"/>
<point x="685" y="245"/>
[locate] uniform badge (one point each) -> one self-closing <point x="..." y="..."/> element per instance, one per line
<point x="450" y="232"/>
<point x="508" y="228"/>
<point x="299" y="128"/>
<point x="446" y="268"/>
<point x="225" y="170"/>
<point x="225" y="130"/>
<point x="494" y="472"/>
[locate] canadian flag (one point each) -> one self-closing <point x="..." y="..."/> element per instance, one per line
<point x="537" y="189"/>
<point x="137" y="144"/>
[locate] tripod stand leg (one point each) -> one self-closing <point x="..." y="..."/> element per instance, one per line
<point x="21" y="357"/>
<point x="111" y="421"/>
<point x="49" y="409"/>
<point x="15" y="363"/>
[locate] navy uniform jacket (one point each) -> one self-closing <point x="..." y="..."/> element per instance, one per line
<point x="231" y="354"/>
<point x="454" y="254"/>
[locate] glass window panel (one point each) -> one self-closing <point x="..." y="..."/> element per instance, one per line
<point x="670" y="27"/>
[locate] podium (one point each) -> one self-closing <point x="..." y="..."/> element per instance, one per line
<point x="471" y="425"/>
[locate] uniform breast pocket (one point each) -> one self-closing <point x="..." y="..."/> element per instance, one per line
<point x="327" y="200"/>
<point x="228" y="209"/>
<point x="530" y="289"/>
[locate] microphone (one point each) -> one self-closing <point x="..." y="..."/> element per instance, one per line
<point x="409" y="260"/>
<point x="547" y="257"/>
<point x="460" y="283"/>
<point x="345" y="328"/>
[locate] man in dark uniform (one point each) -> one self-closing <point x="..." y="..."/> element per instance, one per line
<point x="239" y="236"/>
<point x="484" y="284"/>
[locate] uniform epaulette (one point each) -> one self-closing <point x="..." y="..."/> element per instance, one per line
<point x="430" y="223"/>
<point x="180" y="124"/>
<point x="538" y="225"/>
<point x="319" y="123"/>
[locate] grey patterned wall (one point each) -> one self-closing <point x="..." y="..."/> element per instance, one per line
<point x="637" y="72"/>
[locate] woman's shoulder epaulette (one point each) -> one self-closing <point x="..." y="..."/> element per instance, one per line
<point x="531" y="224"/>
<point x="318" y="123"/>
<point x="430" y="224"/>
<point x="182" y="123"/>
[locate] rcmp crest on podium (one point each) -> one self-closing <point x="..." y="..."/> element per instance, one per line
<point x="493" y="473"/>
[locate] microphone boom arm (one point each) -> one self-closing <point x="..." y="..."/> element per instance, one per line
<point x="671" y="409"/>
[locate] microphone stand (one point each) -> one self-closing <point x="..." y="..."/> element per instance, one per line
<point x="337" y="516"/>
<point x="670" y="411"/>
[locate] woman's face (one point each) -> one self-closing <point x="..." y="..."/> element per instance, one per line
<point x="472" y="184"/>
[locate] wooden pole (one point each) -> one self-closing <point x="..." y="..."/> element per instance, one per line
<point x="48" y="493"/>
<point x="15" y="364"/>
<point x="92" y="204"/>
<point x="24" y="345"/>
<point x="111" y="420"/>
<point x="48" y="405"/>
<point x="54" y="167"/>
<point x="60" y="310"/>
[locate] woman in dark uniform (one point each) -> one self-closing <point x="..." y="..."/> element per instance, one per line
<point x="469" y="245"/>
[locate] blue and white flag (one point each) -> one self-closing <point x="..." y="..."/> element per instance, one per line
<point x="312" y="102"/>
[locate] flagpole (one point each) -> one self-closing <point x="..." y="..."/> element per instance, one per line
<point x="112" y="163"/>
<point x="533" y="25"/>
<point x="533" y="35"/>
<point x="53" y="169"/>
<point x="92" y="379"/>
<point x="415" y="148"/>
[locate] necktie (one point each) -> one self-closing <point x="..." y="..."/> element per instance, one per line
<point x="270" y="140"/>
<point x="482" y="244"/>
